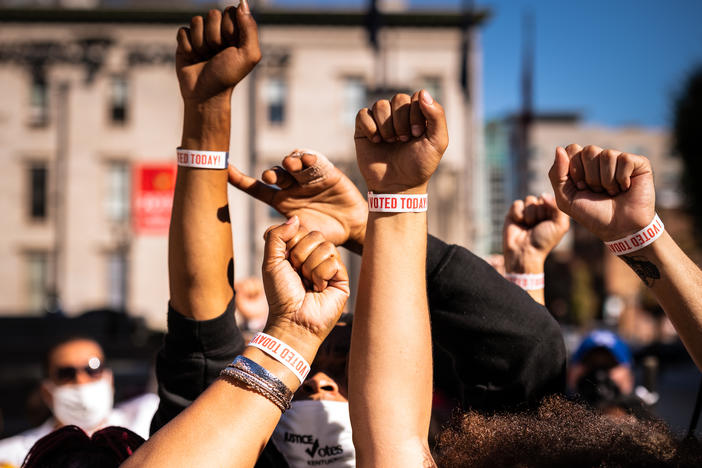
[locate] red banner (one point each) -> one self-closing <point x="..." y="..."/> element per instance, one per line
<point x="152" y="197"/>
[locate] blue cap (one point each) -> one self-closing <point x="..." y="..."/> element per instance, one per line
<point x="607" y="340"/>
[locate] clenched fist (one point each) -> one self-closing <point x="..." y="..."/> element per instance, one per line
<point x="609" y="192"/>
<point x="533" y="227"/>
<point x="216" y="52"/>
<point x="306" y="286"/>
<point x="399" y="143"/>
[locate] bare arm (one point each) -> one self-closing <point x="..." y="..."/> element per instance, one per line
<point x="212" y="56"/>
<point x="391" y="338"/>
<point x="611" y="193"/>
<point x="229" y="425"/>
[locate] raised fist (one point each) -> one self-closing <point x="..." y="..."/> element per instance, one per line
<point x="214" y="54"/>
<point x="609" y="192"/>
<point x="306" y="284"/>
<point x="399" y="143"/>
<point x="533" y="227"/>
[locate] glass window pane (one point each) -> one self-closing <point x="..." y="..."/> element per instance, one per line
<point x="119" y="98"/>
<point x="37" y="273"/>
<point x="116" y="280"/>
<point x="117" y="202"/>
<point x="355" y="95"/>
<point x="39" y="102"/>
<point x="275" y="91"/>
<point x="38" y="191"/>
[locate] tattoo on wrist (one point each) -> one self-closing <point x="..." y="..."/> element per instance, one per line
<point x="647" y="271"/>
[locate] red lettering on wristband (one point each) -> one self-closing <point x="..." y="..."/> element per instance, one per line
<point x="202" y="159"/>
<point x="527" y="281"/>
<point x="397" y="203"/>
<point x="638" y="240"/>
<point x="282" y="353"/>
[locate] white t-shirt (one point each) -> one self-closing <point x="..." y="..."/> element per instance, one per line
<point x="134" y="414"/>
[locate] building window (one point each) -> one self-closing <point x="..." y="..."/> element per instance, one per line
<point x="355" y="98"/>
<point x="39" y="101"/>
<point x="119" y="93"/>
<point x="275" y="90"/>
<point x="38" y="187"/>
<point x="433" y="85"/>
<point x="117" y="280"/>
<point x="37" y="275"/>
<point x="117" y="201"/>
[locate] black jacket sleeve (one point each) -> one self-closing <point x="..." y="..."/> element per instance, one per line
<point x="494" y="346"/>
<point x="192" y="355"/>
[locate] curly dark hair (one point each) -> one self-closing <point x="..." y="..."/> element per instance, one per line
<point x="561" y="433"/>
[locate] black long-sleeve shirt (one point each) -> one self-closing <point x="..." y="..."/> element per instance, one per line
<point x="494" y="346"/>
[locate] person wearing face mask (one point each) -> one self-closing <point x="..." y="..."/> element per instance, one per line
<point x="202" y="335"/>
<point x="78" y="389"/>
<point x="317" y="427"/>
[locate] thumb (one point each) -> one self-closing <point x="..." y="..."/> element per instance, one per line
<point x="437" y="132"/>
<point x="558" y="175"/>
<point x="276" y="240"/>
<point x="556" y="214"/>
<point x="248" y="31"/>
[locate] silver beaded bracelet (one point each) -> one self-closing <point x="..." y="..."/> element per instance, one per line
<point x="257" y="379"/>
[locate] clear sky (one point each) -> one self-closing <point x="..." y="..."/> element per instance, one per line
<point x="616" y="61"/>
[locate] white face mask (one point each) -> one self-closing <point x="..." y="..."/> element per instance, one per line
<point x="85" y="405"/>
<point x="316" y="433"/>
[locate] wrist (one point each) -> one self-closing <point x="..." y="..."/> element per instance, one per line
<point x="401" y="190"/>
<point x="206" y="125"/>
<point x="637" y="240"/>
<point x="298" y="338"/>
<point x="273" y="366"/>
<point x="530" y="264"/>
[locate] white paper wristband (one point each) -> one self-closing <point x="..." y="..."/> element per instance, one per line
<point x="202" y="159"/>
<point x="527" y="281"/>
<point x="282" y="353"/>
<point x="396" y="203"/>
<point x="638" y="240"/>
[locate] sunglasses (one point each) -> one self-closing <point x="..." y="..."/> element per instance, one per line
<point x="67" y="374"/>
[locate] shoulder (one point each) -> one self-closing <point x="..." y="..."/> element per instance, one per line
<point x="136" y="414"/>
<point x="14" y="449"/>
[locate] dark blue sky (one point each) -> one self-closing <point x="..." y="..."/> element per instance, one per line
<point x="616" y="61"/>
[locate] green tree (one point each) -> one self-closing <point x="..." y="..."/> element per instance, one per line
<point x="687" y="130"/>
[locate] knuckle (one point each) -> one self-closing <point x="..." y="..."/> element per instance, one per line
<point x="254" y="56"/>
<point x="400" y="99"/>
<point x="382" y="104"/>
<point x="588" y="152"/>
<point x="328" y="246"/>
<point x="316" y="236"/>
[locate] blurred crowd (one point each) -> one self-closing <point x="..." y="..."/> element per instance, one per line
<point x="446" y="360"/>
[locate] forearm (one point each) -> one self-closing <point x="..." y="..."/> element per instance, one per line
<point x="676" y="282"/>
<point x="200" y="258"/>
<point x="391" y="344"/>
<point x="226" y="426"/>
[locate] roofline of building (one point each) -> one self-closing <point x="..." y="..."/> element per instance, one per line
<point x="418" y="19"/>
